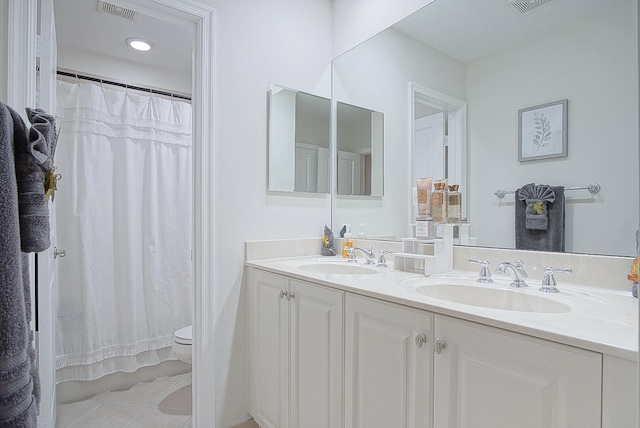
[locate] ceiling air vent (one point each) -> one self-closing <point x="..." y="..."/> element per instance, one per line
<point x="112" y="9"/>
<point x="524" y="6"/>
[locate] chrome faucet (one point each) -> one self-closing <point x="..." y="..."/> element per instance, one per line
<point x="517" y="272"/>
<point x="549" y="282"/>
<point x="368" y="254"/>
<point x="485" y="272"/>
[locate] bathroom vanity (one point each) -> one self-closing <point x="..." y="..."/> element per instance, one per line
<point x="335" y="344"/>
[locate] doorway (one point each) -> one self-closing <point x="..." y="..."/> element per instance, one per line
<point x="22" y="78"/>
<point x="437" y="124"/>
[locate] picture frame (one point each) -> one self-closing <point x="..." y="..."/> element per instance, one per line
<point x="542" y="131"/>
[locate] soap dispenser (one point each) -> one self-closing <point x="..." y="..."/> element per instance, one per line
<point x="347" y="241"/>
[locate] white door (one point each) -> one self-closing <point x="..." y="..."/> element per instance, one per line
<point x="490" y="378"/>
<point x="350" y="174"/>
<point x="388" y="365"/>
<point x="429" y="147"/>
<point x="316" y="356"/>
<point x="306" y="179"/>
<point x="47" y="273"/>
<point x="269" y="349"/>
<point x="324" y="170"/>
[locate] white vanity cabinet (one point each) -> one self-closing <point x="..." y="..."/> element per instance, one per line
<point x="490" y="378"/>
<point x="323" y="357"/>
<point x="295" y="352"/>
<point x="388" y="365"/>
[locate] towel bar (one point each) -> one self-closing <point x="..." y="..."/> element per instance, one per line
<point x="592" y="188"/>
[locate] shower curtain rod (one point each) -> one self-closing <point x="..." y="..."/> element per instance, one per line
<point x="123" y="85"/>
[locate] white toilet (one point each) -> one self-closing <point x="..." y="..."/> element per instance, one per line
<point x="182" y="344"/>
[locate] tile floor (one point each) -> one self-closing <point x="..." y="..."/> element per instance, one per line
<point x="162" y="403"/>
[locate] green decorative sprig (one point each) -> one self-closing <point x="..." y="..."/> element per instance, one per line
<point x="543" y="131"/>
<point x="537" y="207"/>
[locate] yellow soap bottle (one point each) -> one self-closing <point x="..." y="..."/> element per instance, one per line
<point x="347" y="241"/>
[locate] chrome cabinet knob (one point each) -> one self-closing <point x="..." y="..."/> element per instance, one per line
<point x="421" y="339"/>
<point x="438" y="346"/>
<point x="283" y="294"/>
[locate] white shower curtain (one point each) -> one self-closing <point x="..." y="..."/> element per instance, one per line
<point x="124" y="219"/>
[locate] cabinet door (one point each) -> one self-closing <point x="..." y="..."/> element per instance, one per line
<point x="316" y="356"/>
<point x="268" y="319"/>
<point x="387" y="372"/>
<point x="490" y="378"/>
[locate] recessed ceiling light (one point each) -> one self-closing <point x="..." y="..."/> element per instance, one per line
<point x="139" y="44"/>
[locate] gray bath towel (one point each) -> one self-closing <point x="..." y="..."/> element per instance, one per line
<point x="32" y="156"/>
<point x="18" y="400"/>
<point x="551" y="239"/>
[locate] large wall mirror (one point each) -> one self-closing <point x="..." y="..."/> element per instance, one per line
<point x="299" y="141"/>
<point x="497" y="61"/>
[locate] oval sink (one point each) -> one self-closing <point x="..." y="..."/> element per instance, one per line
<point x="337" y="269"/>
<point x="492" y="298"/>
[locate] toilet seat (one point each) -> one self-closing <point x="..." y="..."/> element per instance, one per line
<point x="184" y="335"/>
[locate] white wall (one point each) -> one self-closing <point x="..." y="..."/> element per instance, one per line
<point x="499" y="85"/>
<point x="376" y="76"/>
<point x="113" y="68"/>
<point x="354" y="21"/>
<point x="4" y="23"/>
<point x="280" y="41"/>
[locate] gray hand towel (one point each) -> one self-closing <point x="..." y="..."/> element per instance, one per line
<point x="551" y="239"/>
<point x="18" y="400"/>
<point x="32" y="158"/>
<point x="536" y="198"/>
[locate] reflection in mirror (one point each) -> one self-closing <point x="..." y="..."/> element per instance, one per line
<point x="360" y="135"/>
<point x="499" y="61"/>
<point x="438" y="139"/>
<point x="299" y="138"/>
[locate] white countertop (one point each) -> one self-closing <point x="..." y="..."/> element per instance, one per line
<point x="600" y="320"/>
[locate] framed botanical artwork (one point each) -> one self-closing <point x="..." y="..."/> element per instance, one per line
<point x="542" y="131"/>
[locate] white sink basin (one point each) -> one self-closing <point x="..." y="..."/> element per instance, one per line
<point x="337" y="268"/>
<point x="492" y="298"/>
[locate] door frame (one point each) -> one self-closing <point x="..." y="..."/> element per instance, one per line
<point x="21" y="91"/>
<point x="457" y="116"/>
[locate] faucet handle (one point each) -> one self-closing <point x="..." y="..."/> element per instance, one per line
<point x="485" y="271"/>
<point x="549" y="282"/>
<point x="382" y="261"/>
<point x="520" y="265"/>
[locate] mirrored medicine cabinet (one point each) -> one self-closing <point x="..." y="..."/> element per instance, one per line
<point x="300" y="145"/>
<point x="299" y="141"/>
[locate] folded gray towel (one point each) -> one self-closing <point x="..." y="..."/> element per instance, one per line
<point x="550" y="239"/>
<point x="32" y="158"/>
<point x="536" y="198"/>
<point x="328" y="242"/>
<point x="18" y="395"/>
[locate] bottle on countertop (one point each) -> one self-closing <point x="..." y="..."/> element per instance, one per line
<point x="439" y="201"/>
<point x="454" y="209"/>
<point x="348" y="244"/>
